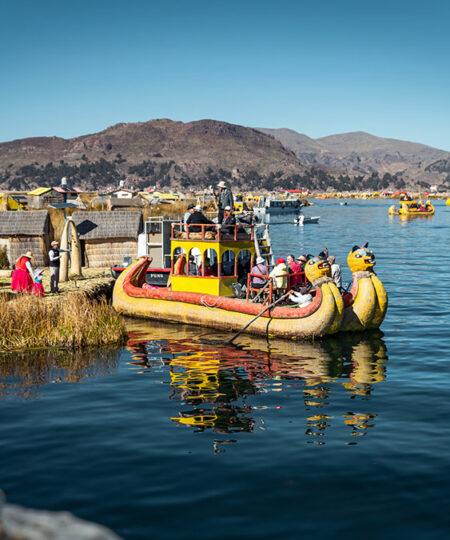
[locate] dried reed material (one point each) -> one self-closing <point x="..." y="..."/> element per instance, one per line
<point x="70" y="322"/>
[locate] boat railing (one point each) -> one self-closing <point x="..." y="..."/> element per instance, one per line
<point x="207" y="232"/>
<point x="294" y="279"/>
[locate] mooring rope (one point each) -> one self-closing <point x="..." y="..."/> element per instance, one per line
<point x="215" y="304"/>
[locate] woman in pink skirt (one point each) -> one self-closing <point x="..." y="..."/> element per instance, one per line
<point x="38" y="289"/>
<point x="22" y="277"/>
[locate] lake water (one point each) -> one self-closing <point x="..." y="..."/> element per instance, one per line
<point x="178" y="436"/>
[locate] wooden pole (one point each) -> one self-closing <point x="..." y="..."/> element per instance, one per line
<point x="257" y="317"/>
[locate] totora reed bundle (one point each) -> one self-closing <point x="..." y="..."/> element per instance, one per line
<point x="74" y="321"/>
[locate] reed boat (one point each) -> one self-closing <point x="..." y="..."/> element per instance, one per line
<point x="206" y="263"/>
<point x="412" y="208"/>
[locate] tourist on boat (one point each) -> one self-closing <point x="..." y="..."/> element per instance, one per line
<point x="197" y="218"/>
<point x="302" y="261"/>
<point x="225" y="199"/>
<point x="228" y="221"/>
<point x="261" y="269"/>
<point x="246" y="217"/>
<point x="336" y="274"/>
<point x="38" y="288"/>
<point x="187" y="215"/>
<point x="301" y="298"/>
<point x="294" y="267"/>
<point x="279" y="276"/>
<point x="23" y="276"/>
<point x="208" y="270"/>
<point x="193" y="268"/>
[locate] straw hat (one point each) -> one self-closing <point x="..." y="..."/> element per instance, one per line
<point x="29" y="254"/>
<point x="302" y="258"/>
<point x="221" y="184"/>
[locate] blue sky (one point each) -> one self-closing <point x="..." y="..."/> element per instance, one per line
<point x="74" y="67"/>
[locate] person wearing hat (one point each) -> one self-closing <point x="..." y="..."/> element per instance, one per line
<point x="190" y="210"/>
<point x="225" y="199"/>
<point x="228" y="219"/>
<point x="302" y="260"/>
<point x="260" y="269"/>
<point x="54" y="257"/>
<point x="279" y="276"/>
<point x="336" y="274"/>
<point x="197" y="218"/>
<point x="23" y="276"/>
<point x="37" y="288"/>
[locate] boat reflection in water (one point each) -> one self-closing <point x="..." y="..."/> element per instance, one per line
<point x="213" y="380"/>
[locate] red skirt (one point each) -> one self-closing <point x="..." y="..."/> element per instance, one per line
<point x="38" y="289"/>
<point x="21" y="281"/>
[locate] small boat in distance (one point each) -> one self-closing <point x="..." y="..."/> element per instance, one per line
<point x="306" y="220"/>
<point x="411" y="208"/>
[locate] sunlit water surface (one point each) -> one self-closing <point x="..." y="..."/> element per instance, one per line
<point x="179" y="436"/>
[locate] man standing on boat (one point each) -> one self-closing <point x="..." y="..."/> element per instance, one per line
<point x="225" y="199"/>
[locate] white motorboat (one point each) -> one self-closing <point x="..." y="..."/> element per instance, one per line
<point x="306" y="220"/>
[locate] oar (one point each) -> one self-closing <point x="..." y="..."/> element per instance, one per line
<point x="257" y="317"/>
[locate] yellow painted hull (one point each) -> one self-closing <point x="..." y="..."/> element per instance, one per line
<point x="326" y="317"/>
<point x="369" y="305"/>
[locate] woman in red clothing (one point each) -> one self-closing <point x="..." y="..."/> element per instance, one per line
<point x="23" y="277"/>
<point x="294" y="267"/>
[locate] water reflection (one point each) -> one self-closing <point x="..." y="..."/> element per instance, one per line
<point x="22" y="374"/>
<point x="214" y="383"/>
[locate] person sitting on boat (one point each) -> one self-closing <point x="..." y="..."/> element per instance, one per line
<point x="225" y="199"/>
<point x="261" y="269"/>
<point x="187" y="215"/>
<point x="208" y="270"/>
<point x="336" y="274"/>
<point x="228" y="221"/>
<point x="302" y="261"/>
<point x="294" y="268"/>
<point x="23" y="276"/>
<point x="279" y="276"/>
<point x="301" y="298"/>
<point x="197" y="218"/>
<point x="193" y="268"/>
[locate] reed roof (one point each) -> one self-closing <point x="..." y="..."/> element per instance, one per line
<point x="107" y="225"/>
<point x="24" y="223"/>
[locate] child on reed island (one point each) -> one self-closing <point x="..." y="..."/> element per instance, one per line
<point x="38" y="289"/>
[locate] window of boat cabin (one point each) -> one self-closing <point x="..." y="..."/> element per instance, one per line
<point x="244" y="263"/>
<point x="210" y="261"/>
<point x="229" y="264"/>
<point x="179" y="261"/>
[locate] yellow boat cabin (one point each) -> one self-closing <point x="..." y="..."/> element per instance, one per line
<point x="208" y="258"/>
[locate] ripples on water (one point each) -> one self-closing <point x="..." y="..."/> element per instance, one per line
<point x="177" y="435"/>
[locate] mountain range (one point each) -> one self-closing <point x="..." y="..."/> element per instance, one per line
<point x="363" y="153"/>
<point x="167" y="153"/>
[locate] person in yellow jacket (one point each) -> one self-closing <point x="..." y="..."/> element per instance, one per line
<point x="279" y="276"/>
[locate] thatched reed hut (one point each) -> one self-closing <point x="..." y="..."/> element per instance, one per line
<point x="25" y="231"/>
<point x="107" y="238"/>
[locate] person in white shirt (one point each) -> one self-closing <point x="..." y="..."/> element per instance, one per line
<point x="336" y="274"/>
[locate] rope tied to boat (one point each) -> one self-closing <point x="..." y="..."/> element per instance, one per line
<point x="217" y="304"/>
